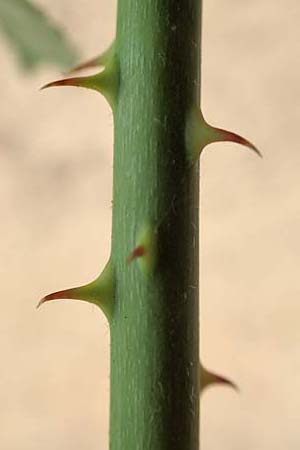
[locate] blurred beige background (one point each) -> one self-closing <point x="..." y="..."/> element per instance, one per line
<point x="55" y="196"/>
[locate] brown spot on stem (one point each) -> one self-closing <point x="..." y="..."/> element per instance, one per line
<point x="138" y="252"/>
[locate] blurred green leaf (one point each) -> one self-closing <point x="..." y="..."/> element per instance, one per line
<point x="35" y="39"/>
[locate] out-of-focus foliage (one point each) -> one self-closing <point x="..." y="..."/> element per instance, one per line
<point x="35" y="39"/>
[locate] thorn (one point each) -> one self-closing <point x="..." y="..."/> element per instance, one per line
<point x="98" y="61"/>
<point x="99" y="292"/>
<point x="209" y="378"/>
<point x="94" y="62"/>
<point x="146" y="249"/>
<point x="105" y="82"/>
<point x="138" y="252"/>
<point x="78" y="82"/>
<point x="199" y="134"/>
<point x="221" y="135"/>
<point x="73" y="294"/>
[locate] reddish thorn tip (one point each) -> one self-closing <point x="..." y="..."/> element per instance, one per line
<point x="56" y="296"/>
<point x="65" y="82"/>
<point x="233" y="137"/>
<point x="138" y="252"/>
<point x="228" y="382"/>
<point x="40" y="303"/>
<point x="87" y="65"/>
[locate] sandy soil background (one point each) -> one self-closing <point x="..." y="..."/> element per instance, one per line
<point x="55" y="197"/>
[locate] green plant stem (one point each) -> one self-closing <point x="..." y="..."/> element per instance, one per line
<point x="154" y="327"/>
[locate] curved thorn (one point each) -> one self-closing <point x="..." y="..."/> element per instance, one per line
<point x="98" y="61"/>
<point x="72" y="294"/>
<point x="105" y="82"/>
<point x="86" y="82"/>
<point x="221" y="135"/>
<point x="208" y="378"/>
<point x="94" y="62"/>
<point x="99" y="292"/>
<point x="199" y="134"/>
